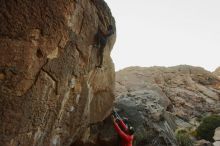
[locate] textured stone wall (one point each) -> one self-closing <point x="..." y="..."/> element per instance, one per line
<point x="50" y="87"/>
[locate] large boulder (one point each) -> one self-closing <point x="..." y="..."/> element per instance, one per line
<point x="50" y="87"/>
<point x="174" y="97"/>
<point x="181" y="87"/>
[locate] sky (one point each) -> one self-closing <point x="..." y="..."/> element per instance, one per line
<point x="166" y="33"/>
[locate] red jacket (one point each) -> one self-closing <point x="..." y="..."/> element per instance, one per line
<point x="126" y="140"/>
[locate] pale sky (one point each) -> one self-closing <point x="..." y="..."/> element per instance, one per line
<point x="166" y="33"/>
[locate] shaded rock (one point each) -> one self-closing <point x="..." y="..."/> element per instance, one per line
<point x="152" y="123"/>
<point x="50" y="88"/>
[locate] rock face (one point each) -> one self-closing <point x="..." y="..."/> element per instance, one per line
<point x="171" y="98"/>
<point x="50" y="87"/>
<point x="159" y="100"/>
<point x="178" y="87"/>
<point x="217" y="72"/>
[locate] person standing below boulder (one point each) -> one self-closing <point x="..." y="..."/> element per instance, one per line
<point x="101" y="40"/>
<point x="125" y="132"/>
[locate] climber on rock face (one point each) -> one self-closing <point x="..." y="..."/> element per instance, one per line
<point x="101" y="40"/>
<point x="124" y="131"/>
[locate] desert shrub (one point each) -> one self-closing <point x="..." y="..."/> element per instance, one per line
<point x="207" y="127"/>
<point x="193" y="133"/>
<point x="183" y="138"/>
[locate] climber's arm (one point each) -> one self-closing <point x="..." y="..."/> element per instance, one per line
<point x="122" y="124"/>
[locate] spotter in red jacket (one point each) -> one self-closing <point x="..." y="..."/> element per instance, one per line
<point x="126" y="139"/>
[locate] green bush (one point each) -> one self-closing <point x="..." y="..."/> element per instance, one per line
<point x="193" y="133"/>
<point x="207" y="127"/>
<point x="183" y="138"/>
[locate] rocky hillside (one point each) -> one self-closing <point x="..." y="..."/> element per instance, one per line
<point x="178" y="87"/>
<point x="217" y="71"/>
<point x="50" y="86"/>
<point x="159" y="100"/>
<point x="167" y="98"/>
